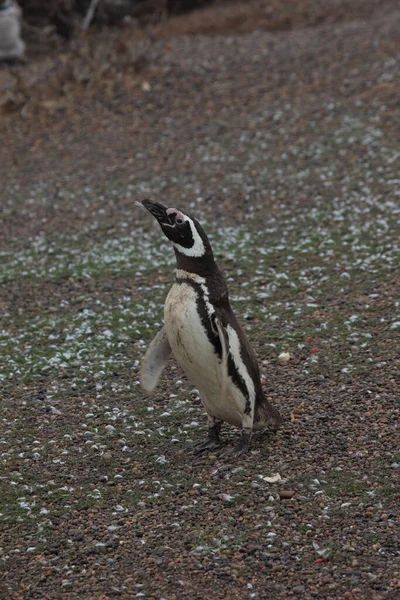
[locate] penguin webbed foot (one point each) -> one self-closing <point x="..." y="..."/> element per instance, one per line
<point x="212" y="442"/>
<point x="242" y="446"/>
<point x="207" y="444"/>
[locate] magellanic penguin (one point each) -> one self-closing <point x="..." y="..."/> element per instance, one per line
<point x="202" y="332"/>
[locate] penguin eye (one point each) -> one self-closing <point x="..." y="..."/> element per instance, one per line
<point x="178" y="221"/>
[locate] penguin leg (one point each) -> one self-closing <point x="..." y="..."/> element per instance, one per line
<point x="243" y="444"/>
<point x="212" y="441"/>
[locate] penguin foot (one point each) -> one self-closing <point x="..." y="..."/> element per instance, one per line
<point x="243" y="445"/>
<point x="212" y="442"/>
<point x="235" y="451"/>
<point x="208" y="444"/>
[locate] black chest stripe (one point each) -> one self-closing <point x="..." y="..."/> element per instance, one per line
<point x="212" y="334"/>
<point x="205" y="317"/>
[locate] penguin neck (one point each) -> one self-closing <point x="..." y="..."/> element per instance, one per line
<point x="204" y="266"/>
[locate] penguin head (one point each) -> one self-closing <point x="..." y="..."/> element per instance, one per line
<point x="185" y="232"/>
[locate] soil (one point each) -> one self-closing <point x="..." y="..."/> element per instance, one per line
<point x="278" y="128"/>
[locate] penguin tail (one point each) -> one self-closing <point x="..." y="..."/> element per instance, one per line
<point x="268" y="415"/>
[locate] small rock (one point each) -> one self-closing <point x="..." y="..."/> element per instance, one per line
<point x="284" y="357"/>
<point x="286" y="494"/>
<point x="298" y="589"/>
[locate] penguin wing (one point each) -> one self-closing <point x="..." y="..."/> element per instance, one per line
<point x="264" y="411"/>
<point x="227" y="319"/>
<point x="154" y="361"/>
<point x="242" y="365"/>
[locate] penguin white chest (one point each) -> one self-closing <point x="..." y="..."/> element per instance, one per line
<point x="187" y="335"/>
<point x="196" y="354"/>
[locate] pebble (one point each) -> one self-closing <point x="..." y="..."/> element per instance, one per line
<point x="298" y="589"/>
<point x="284" y="358"/>
<point x="286" y="494"/>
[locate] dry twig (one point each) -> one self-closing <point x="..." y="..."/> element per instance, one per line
<point x="90" y="14"/>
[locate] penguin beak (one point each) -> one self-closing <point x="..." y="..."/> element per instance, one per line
<point x="158" y="211"/>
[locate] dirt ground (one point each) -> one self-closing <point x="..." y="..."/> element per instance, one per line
<point x="277" y="126"/>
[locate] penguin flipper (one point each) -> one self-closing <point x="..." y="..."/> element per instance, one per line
<point x="154" y="361"/>
<point x="264" y="414"/>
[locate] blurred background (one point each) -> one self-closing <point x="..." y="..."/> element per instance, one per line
<point x="88" y="88"/>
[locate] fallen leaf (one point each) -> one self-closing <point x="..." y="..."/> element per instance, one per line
<point x="227" y="497"/>
<point x="325" y="552"/>
<point x="273" y="478"/>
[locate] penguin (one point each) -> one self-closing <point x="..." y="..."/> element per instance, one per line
<point x="12" y="46"/>
<point x="205" y="337"/>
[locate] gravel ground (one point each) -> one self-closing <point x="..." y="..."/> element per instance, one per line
<point x="286" y="145"/>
